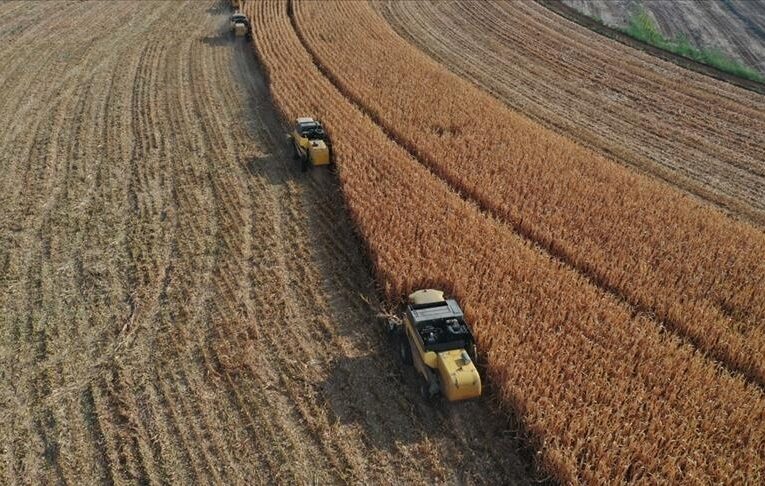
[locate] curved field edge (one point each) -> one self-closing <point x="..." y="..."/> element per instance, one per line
<point x="693" y="132"/>
<point x="734" y="27"/>
<point x="570" y="13"/>
<point x="548" y="366"/>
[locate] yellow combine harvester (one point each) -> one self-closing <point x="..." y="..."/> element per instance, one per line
<point x="240" y="25"/>
<point x="435" y="338"/>
<point x="310" y="143"/>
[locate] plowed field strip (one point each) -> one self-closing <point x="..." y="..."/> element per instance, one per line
<point x="736" y="27"/>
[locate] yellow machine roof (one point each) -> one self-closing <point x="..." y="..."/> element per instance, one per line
<point x="426" y="296"/>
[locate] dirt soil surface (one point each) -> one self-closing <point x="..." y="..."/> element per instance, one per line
<point x="735" y="27"/>
<point x="702" y="135"/>
<point x="178" y="302"/>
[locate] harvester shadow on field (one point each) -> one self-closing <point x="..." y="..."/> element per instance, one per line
<point x="374" y="393"/>
<point x="380" y="397"/>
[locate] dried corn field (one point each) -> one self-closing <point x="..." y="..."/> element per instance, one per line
<point x="699" y="134"/>
<point x="181" y="304"/>
<point x="178" y="303"/>
<point x="703" y="274"/>
<point x="611" y="379"/>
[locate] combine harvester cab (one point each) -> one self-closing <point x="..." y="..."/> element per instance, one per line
<point x="240" y="25"/>
<point x="436" y="339"/>
<point x="310" y="143"/>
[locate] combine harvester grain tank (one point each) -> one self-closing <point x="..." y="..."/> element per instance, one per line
<point x="434" y="337"/>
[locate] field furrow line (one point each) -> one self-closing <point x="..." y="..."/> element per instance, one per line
<point x="207" y="428"/>
<point x="182" y="396"/>
<point x="311" y="415"/>
<point x="636" y="83"/>
<point x="215" y="162"/>
<point x="277" y="239"/>
<point x="187" y="110"/>
<point x="127" y="430"/>
<point x="646" y="67"/>
<point x="218" y="447"/>
<point x="179" y="440"/>
<point x="127" y="128"/>
<point x="739" y="129"/>
<point x="254" y="412"/>
<point x="272" y="294"/>
<point x="185" y="421"/>
<point x="82" y="143"/>
<point x="43" y="328"/>
<point x="141" y="432"/>
<point x="103" y="452"/>
<point x="70" y="428"/>
<point x="34" y="34"/>
<point x="298" y="338"/>
<point x="109" y="422"/>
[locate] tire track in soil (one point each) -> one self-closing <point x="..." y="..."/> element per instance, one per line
<point x="292" y="316"/>
<point x="142" y="244"/>
<point x="45" y="423"/>
<point x="50" y="427"/>
<point x="179" y="457"/>
<point x="108" y="417"/>
<point x="178" y="436"/>
<point x="285" y="232"/>
<point x="41" y="333"/>
<point x="277" y="342"/>
<point x="207" y="147"/>
<point x="273" y="435"/>
<point x="62" y="192"/>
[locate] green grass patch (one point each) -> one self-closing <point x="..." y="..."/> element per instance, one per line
<point x="642" y="27"/>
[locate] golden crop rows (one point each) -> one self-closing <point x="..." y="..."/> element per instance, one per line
<point x="697" y="133"/>
<point x="693" y="267"/>
<point x="604" y="395"/>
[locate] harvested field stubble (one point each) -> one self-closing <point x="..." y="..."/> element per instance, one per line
<point x="605" y="395"/>
<point x="700" y="272"/>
